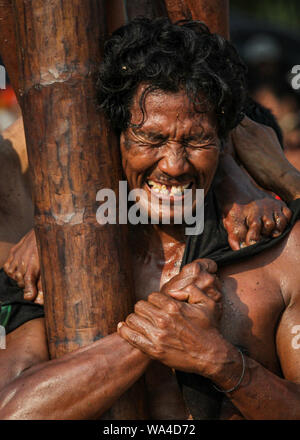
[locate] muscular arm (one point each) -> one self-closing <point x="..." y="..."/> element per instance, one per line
<point x="264" y="395"/>
<point x="80" y="385"/>
<point x="186" y="336"/>
<point x="262" y="156"/>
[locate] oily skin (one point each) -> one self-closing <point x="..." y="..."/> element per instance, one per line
<point x="191" y="335"/>
<point x="193" y="323"/>
<point x="173" y="146"/>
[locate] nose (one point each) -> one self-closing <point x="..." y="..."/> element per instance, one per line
<point x="174" y="162"/>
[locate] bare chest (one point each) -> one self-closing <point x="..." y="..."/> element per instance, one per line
<point x="252" y="305"/>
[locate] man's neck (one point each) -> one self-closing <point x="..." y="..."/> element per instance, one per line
<point x="159" y="240"/>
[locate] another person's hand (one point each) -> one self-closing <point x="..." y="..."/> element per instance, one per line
<point x="260" y="152"/>
<point x="259" y="216"/>
<point x="248" y="212"/>
<point x="23" y="266"/>
<point x="180" y="334"/>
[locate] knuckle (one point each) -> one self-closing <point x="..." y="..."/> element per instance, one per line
<point x="269" y="223"/>
<point x="29" y="277"/>
<point x="19" y="275"/>
<point x="159" y="337"/>
<point x="255" y="224"/>
<point x="191" y="269"/>
<point x="162" y="323"/>
<point x="130" y="318"/>
<point x="206" y="280"/>
<point x="217" y="296"/>
<point x="139" y="305"/>
<point x="174" y="307"/>
<point x="153" y="295"/>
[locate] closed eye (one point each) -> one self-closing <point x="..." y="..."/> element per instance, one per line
<point x="200" y="145"/>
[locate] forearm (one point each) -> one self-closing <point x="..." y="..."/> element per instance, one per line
<point x="80" y="385"/>
<point x="232" y="182"/>
<point x="262" y="395"/>
<point x="287" y="185"/>
<point x="260" y="152"/>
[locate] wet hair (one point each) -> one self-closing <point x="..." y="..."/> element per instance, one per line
<point x="171" y="57"/>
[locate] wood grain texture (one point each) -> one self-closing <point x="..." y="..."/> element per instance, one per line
<point x="8" y="48"/>
<point x="72" y="154"/>
<point x="214" y="13"/>
<point x="145" y="8"/>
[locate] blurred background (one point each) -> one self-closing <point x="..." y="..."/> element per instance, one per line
<point x="267" y="35"/>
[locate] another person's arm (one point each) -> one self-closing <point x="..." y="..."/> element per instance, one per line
<point x="259" y="150"/>
<point x="80" y="385"/>
<point x="248" y="212"/>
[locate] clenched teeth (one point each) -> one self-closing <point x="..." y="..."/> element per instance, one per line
<point x="164" y="189"/>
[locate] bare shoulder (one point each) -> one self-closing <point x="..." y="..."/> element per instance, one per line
<point x="292" y="244"/>
<point x="25" y="347"/>
<point x="287" y="265"/>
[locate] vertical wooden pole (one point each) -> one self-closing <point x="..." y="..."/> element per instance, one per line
<point x="8" y="46"/>
<point x="214" y="13"/>
<point x="145" y="8"/>
<point x="72" y="154"/>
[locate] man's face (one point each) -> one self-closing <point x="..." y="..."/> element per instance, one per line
<point x="174" y="149"/>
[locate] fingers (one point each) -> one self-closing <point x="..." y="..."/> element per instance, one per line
<point x="234" y="242"/>
<point x="237" y="237"/>
<point x="199" y="265"/>
<point x="280" y="224"/>
<point x="287" y="213"/>
<point x="40" y="296"/>
<point x="254" y="231"/>
<point x="277" y="224"/>
<point x="282" y="219"/>
<point x="134" y="338"/>
<point x="10" y="266"/>
<point x="148" y="311"/>
<point x="30" y="289"/>
<point x="269" y="224"/>
<point x="164" y="302"/>
<point x="193" y="295"/>
<point x="207" y="264"/>
<point x="19" y="278"/>
<point x="139" y="324"/>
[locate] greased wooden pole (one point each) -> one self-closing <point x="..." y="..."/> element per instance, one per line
<point x="8" y="47"/>
<point x="145" y="8"/>
<point x="120" y="12"/>
<point x="214" y="13"/>
<point x="73" y="153"/>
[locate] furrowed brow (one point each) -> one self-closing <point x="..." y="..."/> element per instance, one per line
<point x="150" y="135"/>
<point x="200" y="137"/>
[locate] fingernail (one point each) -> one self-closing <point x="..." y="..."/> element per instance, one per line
<point x="28" y="295"/>
<point x="276" y="234"/>
<point x="253" y="242"/>
<point x="243" y="245"/>
<point x="119" y="325"/>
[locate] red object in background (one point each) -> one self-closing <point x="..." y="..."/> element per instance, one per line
<point x="7" y="97"/>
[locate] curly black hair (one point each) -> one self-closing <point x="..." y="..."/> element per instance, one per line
<point x="170" y="57"/>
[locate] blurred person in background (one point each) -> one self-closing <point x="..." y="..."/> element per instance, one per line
<point x="267" y="36"/>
